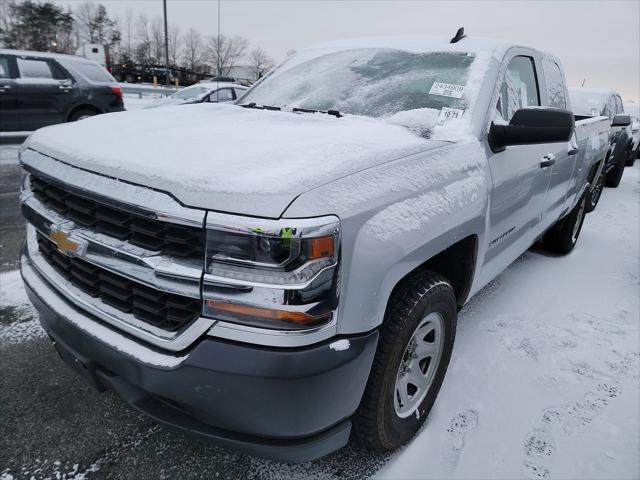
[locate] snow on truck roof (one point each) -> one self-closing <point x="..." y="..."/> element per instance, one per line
<point x="31" y="53"/>
<point x="422" y="43"/>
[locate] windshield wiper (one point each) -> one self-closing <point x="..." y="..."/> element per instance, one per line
<point x="335" y="113"/>
<point x="260" y="107"/>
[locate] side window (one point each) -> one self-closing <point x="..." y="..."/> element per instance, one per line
<point x="222" y="95"/>
<point x="555" y="83"/>
<point x="620" y="105"/>
<point x="611" y="108"/>
<point x="4" y="68"/>
<point x="519" y="88"/>
<point x="40" y="68"/>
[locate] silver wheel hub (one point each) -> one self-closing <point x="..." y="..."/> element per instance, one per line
<point x="419" y="364"/>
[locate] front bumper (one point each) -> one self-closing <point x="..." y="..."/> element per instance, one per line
<point x="285" y="404"/>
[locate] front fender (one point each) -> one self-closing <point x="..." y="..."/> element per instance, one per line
<point x="395" y="217"/>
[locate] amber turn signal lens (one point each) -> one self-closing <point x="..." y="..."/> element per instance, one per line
<point x="266" y="313"/>
<point x="321" y="247"/>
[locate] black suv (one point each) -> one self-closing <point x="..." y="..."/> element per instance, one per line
<point x="39" y="89"/>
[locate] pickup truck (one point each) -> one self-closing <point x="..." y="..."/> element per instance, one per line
<point x="593" y="102"/>
<point x="276" y="273"/>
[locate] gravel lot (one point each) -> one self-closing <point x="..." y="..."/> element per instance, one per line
<point x="55" y="426"/>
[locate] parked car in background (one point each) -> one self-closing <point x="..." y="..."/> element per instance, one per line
<point x="239" y="81"/>
<point x="590" y="102"/>
<point x="633" y="109"/>
<point x="270" y="274"/>
<point x="39" y="89"/>
<point x="203" y="92"/>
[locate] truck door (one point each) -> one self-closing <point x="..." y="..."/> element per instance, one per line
<point x="9" y="111"/>
<point x="565" y="154"/>
<point x="44" y="89"/>
<point x="520" y="173"/>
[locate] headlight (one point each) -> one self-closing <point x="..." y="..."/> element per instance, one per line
<point x="272" y="273"/>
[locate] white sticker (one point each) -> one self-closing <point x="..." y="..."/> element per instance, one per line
<point x="447" y="90"/>
<point x="447" y="114"/>
<point x="595" y="112"/>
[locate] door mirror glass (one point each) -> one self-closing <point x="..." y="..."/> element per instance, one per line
<point x="531" y="126"/>
<point x="621" y="121"/>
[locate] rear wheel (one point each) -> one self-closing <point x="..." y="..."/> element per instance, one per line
<point x="81" y="114"/>
<point x="615" y="175"/>
<point x="596" y="193"/>
<point x="413" y="353"/>
<point x="563" y="236"/>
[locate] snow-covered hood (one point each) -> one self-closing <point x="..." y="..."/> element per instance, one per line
<point x="225" y="157"/>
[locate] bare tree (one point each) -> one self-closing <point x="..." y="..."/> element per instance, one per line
<point x="224" y="52"/>
<point x="157" y="39"/>
<point x="259" y="62"/>
<point x="193" y="49"/>
<point x="175" y="44"/>
<point x="143" y="35"/>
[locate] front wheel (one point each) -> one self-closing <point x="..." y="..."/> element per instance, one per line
<point x="416" y="341"/>
<point x="563" y="236"/>
<point x="615" y="174"/>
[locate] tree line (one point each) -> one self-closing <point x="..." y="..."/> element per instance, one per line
<point x="48" y="27"/>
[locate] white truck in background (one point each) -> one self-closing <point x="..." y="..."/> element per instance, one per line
<point x="96" y="52"/>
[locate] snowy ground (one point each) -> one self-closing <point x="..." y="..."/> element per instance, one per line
<point x="544" y="382"/>
<point x="136" y="102"/>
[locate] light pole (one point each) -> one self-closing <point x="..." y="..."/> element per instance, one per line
<point x="166" y="44"/>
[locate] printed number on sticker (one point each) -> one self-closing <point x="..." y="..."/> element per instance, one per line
<point x="447" y="90"/>
<point x="448" y="114"/>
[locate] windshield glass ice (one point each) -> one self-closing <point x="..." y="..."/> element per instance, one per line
<point x="371" y="82"/>
<point x="587" y="103"/>
<point x="190" y="92"/>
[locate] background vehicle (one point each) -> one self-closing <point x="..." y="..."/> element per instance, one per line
<point x="96" y="52"/>
<point x="39" y="89"/>
<point x="203" y="92"/>
<point x="633" y="109"/>
<point x="238" y="81"/>
<point x="306" y="276"/>
<point x="592" y="102"/>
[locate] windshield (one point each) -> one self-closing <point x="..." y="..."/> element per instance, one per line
<point x="91" y="71"/>
<point x="190" y="92"/>
<point x="371" y="82"/>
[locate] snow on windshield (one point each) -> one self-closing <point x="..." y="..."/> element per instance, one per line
<point x="190" y="92"/>
<point x="417" y="90"/>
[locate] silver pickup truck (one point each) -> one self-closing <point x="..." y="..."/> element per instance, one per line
<point x="273" y="274"/>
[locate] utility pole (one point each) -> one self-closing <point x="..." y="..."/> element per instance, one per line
<point x="166" y="44"/>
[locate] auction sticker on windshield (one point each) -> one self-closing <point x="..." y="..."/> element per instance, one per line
<point x="447" y="90"/>
<point x="447" y="114"/>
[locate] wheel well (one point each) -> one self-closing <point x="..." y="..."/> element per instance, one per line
<point x="456" y="263"/>
<point x="83" y="107"/>
<point x="592" y="172"/>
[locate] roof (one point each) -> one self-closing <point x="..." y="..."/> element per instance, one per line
<point x="422" y="43"/>
<point x="42" y="54"/>
<point x="222" y="84"/>
<point x="594" y="91"/>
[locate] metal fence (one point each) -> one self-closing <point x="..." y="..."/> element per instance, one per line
<point x="147" y="89"/>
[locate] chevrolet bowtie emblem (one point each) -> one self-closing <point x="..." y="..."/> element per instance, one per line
<point x="72" y="247"/>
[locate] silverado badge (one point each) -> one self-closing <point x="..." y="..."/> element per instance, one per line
<point x="71" y="247"/>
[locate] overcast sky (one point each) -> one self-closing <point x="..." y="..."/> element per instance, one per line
<point x="596" y="40"/>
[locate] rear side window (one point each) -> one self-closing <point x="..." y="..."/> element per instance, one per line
<point x="4" y="68"/>
<point x="39" y="68"/>
<point x="519" y="88"/>
<point x="555" y="83"/>
<point x="222" y="95"/>
<point x="92" y="72"/>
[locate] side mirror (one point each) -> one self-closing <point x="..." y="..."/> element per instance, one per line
<point x="621" y="121"/>
<point x="531" y="126"/>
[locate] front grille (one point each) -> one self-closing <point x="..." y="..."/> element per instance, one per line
<point x="167" y="311"/>
<point x="167" y="238"/>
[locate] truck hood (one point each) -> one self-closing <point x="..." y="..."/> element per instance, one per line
<point x="225" y="157"/>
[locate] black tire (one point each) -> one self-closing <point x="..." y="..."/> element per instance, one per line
<point x="615" y="174"/>
<point x="376" y="423"/>
<point x="563" y="236"/>
<point x="632" y="157"/>
<point x="130" y="78"/>
<point x="82" y="113"/>
<point x="594" y="196"/>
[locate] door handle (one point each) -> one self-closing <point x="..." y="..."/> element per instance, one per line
<point x="64" y="88"/>
<point x="573" y="151"/>
<point x="4" y="88"/>
<point x="547" y="160"/>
